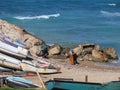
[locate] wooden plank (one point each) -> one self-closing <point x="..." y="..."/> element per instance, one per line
<point x="42" y="83"/>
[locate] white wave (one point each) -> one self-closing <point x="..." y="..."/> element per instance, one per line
<point x="106" y="13"/>
<point x="112" y="4"/>
<point x="38" y="17"/>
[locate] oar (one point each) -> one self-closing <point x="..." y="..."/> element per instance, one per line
<point x="43" y="85"/>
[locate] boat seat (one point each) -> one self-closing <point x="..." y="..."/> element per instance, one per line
<point x="63" y="79"/>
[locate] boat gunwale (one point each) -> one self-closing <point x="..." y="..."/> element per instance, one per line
<point x="65" y="81"/>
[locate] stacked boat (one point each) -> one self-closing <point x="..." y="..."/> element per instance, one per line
<point x="45" y="69"/>
<point x="12" y="47"/>
<point x="17" y="49"/>
<point x="9" y="62"/>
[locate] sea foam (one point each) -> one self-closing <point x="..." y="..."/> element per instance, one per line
<point x="37" y="17"/>
<point x="112" y="4"/>
<point x="106" y="13"/>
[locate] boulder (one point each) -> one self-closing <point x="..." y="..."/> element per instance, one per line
<point x="35" y="51"/>
<point x="111" y="53"/>
<point x="99" y="56"/>
<point x="83" y="48"/>
<point x="31" y="41"/>
<point x="54" y="50"/>
<point x="78" y="49"/>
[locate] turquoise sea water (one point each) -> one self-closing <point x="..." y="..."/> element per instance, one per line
<point x="67" y="22"/>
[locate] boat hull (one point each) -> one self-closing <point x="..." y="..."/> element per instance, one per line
<point x="11" y="49"/>
<point x="71" y="85"/>
<point x="2" y="69"/>
<point x="31" y="68"/>
<point x="74" y="85"/>
<point x="19" y="84"/>
<point x="9" y="62"/>
<point x="10" y="65"/>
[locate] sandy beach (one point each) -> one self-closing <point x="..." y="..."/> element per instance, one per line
<point x="95" y="73"/>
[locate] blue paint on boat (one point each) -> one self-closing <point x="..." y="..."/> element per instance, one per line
<point x="13" y="43"/>
<point x="9" y="41"/>
<point x="17" y="42"/>
<point x="19" y="79"/>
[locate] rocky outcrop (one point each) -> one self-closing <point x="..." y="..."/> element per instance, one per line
<point x="16" y="33"/>
<point x="35" y="45"/>
<point x="94" y="52"/>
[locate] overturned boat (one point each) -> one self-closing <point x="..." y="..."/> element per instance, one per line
<point x="18" y="82"/>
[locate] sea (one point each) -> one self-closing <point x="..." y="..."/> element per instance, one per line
<point x="67" y="22"/>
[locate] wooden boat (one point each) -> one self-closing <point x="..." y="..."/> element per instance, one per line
<point x="18" y="82"/>
<point x="75" y="85"/>
<point x="41" y="60"/>
<point x="11" y="48"/>
<point x="28" y="66"/>
<point x="12" y="42"/>
<point x="2" y="69"/>
<point x="9" y="62"/>
<point x="36" y="63"/>
<point x="45" y="70"/>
